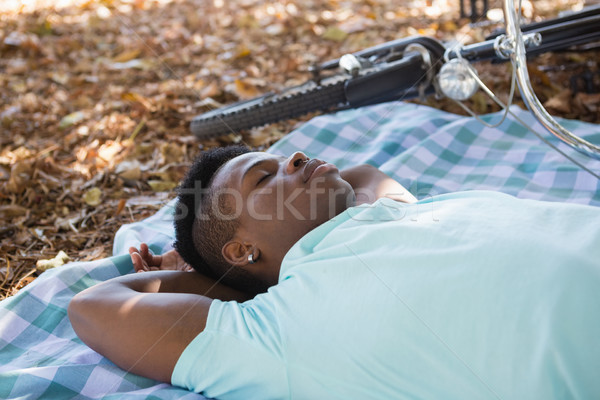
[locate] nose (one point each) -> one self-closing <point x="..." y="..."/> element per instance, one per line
<point x="295" y="162"/>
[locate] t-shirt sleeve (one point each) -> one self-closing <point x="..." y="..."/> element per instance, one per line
<point x="237" y="356"/>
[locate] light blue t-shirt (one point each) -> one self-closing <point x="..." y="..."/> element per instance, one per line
<point x="471" y="295"/>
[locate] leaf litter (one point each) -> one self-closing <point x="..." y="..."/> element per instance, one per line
<point x="98" y="96"/>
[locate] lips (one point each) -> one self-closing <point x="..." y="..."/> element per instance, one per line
<point x="310" y="167"/>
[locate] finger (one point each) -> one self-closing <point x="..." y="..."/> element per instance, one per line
<point x="136" y="260"/>
<point x="150" y="258"/>
<point x="132" y="250"/>
<point x="144" y="250"/>
<point x="138" y="263"/>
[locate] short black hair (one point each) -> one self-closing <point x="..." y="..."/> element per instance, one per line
<point x="199" y="240"/>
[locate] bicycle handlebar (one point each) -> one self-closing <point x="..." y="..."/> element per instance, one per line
<point x="518" y="58"/>
<point x="554" y="36"/>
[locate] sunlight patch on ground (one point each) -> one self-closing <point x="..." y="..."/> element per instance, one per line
<point x="29" y="6"/>
<point x="11" y="6"/>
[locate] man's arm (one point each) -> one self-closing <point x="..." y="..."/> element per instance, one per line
<point x="370" y="184"/>
<point x="143" y="322"/>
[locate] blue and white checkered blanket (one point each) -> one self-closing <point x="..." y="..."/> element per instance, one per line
<point x="429" y="151"/>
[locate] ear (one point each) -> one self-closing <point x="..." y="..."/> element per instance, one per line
<point x="236" y="253"/>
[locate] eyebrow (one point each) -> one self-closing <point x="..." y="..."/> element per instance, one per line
<point x="255" y="164"/>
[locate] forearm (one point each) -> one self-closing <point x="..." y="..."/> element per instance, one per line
<point x="141" y="321"/>
<point x="113" y="299"/>
<point x="178" y="282"/>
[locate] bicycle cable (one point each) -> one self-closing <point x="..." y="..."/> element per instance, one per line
<point x="506" y="107"/>
<point x="507" y="110"/>
<point x="483" y="86"/>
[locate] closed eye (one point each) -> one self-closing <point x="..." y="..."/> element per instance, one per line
<point x="262" y="179"/>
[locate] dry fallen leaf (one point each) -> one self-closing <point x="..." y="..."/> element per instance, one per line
<point x="21" y="284"/>
<point x="334" y="33"/>
<point x="93" y="197"/>
<point x="126" y="55"/>
<point x="245" y="90"/>
<point x="561" y="102"/>
<point x="171" y="152"/>
<point x="121" y="206"/>
<point x="129" y="170"/>
<point x="135" y="97"/>
<point x="110" y="150"/>
<point x="162" y="186"/>
<point x="143" y="64"/>
<point x="589" y="101"/>
<point x="12" y="210"/>
<point x="20" y="175"/>
<point x="60" y="259"/>
<point x="6" y="273"/>
<point x="71" y="119"/>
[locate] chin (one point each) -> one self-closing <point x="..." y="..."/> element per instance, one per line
<point x="339" y="205"/>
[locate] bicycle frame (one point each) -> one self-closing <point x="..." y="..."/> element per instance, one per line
<point x="519" y="61"/>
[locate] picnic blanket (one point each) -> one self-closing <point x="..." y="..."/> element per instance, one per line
<point x="429" y="151"/>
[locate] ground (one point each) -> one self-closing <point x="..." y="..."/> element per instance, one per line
<point x="97" y="97"/>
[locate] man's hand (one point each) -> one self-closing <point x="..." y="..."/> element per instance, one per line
<point x="144" y="260"/>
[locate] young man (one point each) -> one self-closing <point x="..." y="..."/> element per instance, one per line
<point x="311" y="283"/>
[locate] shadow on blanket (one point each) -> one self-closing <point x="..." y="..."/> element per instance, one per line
<point x="428" y="151"/>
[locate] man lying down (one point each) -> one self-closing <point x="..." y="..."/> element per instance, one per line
<point x="314" y="283"/>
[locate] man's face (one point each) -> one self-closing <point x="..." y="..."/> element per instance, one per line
<point x="282" y="198"/>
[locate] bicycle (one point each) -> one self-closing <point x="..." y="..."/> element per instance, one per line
<point x="416" y="67"/>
